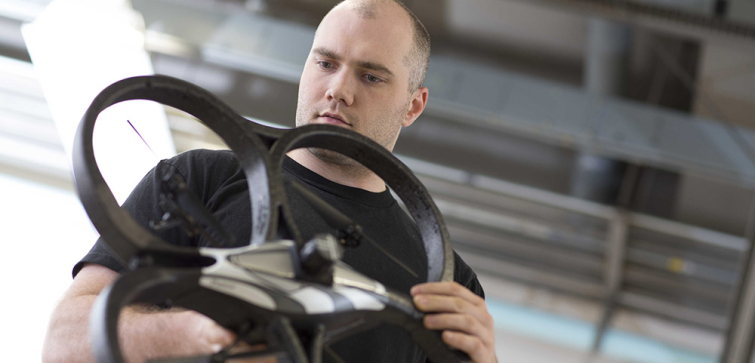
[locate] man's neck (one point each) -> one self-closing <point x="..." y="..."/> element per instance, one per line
<point x="356" y="176"/>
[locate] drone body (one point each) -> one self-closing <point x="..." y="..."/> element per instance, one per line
<point x="292" y="294"/>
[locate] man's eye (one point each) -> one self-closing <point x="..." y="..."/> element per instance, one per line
<point x="372" y="79"/>
<point x="325" y="65"/>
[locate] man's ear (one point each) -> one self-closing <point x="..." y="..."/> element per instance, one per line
<point x="418" y="103"/>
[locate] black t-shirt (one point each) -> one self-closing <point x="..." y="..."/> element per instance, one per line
<point x="220" y="183"/>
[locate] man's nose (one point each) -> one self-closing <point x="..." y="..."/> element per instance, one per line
<point x="341" y="88"/>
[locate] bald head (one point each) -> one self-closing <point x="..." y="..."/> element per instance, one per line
<point x="418" y="57"/>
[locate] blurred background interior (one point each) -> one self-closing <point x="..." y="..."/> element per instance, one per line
<point x="594" y="159"/>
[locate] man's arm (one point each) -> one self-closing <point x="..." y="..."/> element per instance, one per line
<point x="144" y="334"/>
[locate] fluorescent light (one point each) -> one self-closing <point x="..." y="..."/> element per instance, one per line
<point x="79" y="47"/>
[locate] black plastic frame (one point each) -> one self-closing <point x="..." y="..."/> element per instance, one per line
<point x="260" y="151"/>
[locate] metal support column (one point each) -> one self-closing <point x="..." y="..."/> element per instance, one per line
<point x="617" y="241"/>
<point x="739" y="339"/>
<point x="617" y="246"/>
<point x="739" y="342"/>
<point x="609" y="45"/>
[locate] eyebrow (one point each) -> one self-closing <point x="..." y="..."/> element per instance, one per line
<point x="363" y="64"/>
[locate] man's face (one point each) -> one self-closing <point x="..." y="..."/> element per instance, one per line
<point x="355" y="76"/>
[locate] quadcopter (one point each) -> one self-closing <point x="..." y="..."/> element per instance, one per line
<point x="261" y="291"/>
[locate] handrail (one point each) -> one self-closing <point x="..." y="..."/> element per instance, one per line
<point x="576" y="205"/>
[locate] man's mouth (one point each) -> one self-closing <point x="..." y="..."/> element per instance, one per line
<point x="333" y="119"/>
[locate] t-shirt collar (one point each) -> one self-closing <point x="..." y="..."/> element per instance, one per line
<point x="378" y="200"/>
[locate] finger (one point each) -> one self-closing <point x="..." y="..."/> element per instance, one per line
<point x="460" y="322"/>
<point x="447" y="288"/>
<point x="452" y="304"/>
<point x="473" y="346"/>
<point x="219" y="337"/>
<point x="212" y="337"/>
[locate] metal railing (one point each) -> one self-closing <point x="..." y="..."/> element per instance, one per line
<point x="625" y="259"/>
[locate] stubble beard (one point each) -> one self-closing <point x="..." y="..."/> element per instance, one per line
<point x="328" y="156"/>
<point x="384" y="137"/>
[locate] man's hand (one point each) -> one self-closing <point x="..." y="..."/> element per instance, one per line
<point x="145" y="332"/>
<point x="462" y="315"/>
<point x="211" y="338"/>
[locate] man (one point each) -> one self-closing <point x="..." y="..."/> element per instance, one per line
<point x="364" y="73"/>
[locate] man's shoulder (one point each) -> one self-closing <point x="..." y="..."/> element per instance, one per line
<point x="206" y="171"/>
<point x="203" y="156"/>
<point x="197" y="162"/>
